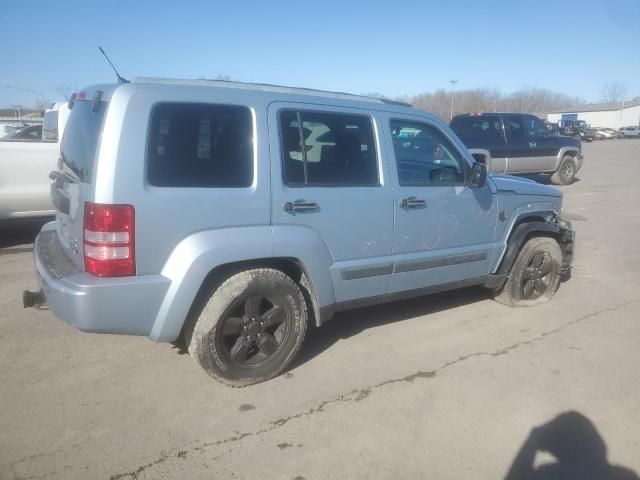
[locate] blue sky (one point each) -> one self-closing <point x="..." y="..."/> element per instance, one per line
<point x="391" y="47"/>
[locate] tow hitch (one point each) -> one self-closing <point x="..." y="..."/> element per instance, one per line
<point x="32" y="299"/>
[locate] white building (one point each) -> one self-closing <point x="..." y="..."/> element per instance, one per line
<point x="604" y="115"/>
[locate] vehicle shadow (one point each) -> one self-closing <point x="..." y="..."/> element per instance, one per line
<point x="578" y="450"/>
<point x="353" y="322"/>
<point x="20" y="232"/>
<point x="545" y="179"/>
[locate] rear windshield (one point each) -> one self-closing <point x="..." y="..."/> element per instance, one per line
<point x="484" y="127"/>
<point x="81" y="137"/>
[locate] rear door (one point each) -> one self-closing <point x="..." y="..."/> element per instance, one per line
<point x="521" y="155"/>
<point x="327" y="176"/>
<point x="73" y="179"/>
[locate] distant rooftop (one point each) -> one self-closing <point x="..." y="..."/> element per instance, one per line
<point x="268" y="88"/>
<point x="597" y="107"/>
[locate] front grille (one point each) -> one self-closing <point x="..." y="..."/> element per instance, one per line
<point x="52" y="255"/>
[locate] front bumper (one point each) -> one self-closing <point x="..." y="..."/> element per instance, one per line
<point x="125" y="305"/>
<point x="567" y="240"/>
<point x="579" y="160"/>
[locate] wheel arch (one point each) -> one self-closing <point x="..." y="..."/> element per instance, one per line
<point x="526" y="227"/>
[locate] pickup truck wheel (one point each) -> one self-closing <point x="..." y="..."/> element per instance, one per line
<point x="566" y="173"/>
<point x="250" y="329"/>
<point x="535" y="275"/>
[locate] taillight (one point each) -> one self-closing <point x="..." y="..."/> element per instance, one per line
<point x="109" y="240"/>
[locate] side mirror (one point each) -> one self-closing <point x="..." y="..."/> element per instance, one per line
<point x="478" y="175"/>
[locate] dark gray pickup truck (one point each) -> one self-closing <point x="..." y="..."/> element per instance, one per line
<point x="519" y="143"/>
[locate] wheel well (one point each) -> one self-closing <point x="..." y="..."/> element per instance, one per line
<point x="291" y="267"/>
<point x="509" y="257"/>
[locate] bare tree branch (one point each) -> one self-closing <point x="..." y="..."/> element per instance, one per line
<point x="613" y="92"/>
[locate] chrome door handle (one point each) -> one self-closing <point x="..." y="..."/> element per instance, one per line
<point x="532" y="144"/>
<point x="413" y="203"/>
<point x="299" y="206"/>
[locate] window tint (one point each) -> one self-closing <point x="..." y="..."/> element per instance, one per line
<point x="481" y="127"/>
<point x="515" y="127"/>
<point x="81" y="137"/>
<point x="196" y="145"/>
<point x="425" y="156"/>
<point x="535" y="127"/>
<point x="328" y="149"/>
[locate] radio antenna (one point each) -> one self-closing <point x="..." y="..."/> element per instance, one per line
<point x="121" y="79"/>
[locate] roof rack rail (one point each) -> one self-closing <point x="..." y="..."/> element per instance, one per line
<point x="394" y="102"/>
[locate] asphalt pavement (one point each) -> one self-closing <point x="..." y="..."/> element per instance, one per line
<point x="449" y="386"/>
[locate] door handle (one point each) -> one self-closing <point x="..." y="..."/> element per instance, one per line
<point x="300" y="206"/>
<point x="532" y="144"/>
<point x="413" y="203"/>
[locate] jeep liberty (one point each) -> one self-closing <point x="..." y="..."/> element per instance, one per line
<point x="235" y="215"/>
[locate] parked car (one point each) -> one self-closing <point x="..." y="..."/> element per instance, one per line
<point x="606" y="133"/>
<point x="7" y="130"/>
<point x="519" y="143"/>
<point x="629" y="132"/>
<point x="25" y="164"/>
<point x="193" y="209"/>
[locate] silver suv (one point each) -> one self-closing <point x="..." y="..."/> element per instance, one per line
<point x="233" y="215"/>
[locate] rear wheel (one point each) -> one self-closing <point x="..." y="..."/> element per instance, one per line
<point x="250" y="329"/>
<point x="566" y="173"/>
<point x="535" y="275"/>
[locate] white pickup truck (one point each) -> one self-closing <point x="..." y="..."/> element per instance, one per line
<point x="25" y="167"/>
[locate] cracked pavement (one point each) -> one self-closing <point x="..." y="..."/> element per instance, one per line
<point x="447" y="386"/>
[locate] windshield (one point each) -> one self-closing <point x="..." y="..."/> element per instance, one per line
<point x="81" y="137"/>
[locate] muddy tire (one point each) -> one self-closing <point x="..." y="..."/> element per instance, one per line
<point x="250" y="329"/>
<point x="535" y="275"/>
<point x="566" y="173"/>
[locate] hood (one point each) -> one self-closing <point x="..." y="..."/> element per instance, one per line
<point x="522" y="186"/>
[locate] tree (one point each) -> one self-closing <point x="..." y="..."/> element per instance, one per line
<point x="65" y="90"/>
<point x="613" y="92"/>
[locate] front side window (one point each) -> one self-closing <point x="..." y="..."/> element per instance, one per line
<point x="328" y="149"/>
<point x="200" y="145"/>
<point x="425" y="156"/>
<point x="535" y="127"/>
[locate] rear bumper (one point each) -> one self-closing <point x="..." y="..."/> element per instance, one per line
<point x="126" y="305"/>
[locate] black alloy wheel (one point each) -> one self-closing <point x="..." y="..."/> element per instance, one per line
<point x="253" y="330"/>
<point x="536" y="276"/>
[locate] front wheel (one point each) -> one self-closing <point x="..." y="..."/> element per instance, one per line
<point x="535" y="275"/>
<point x="566" y="173"/>
<point x="250" y="329"/>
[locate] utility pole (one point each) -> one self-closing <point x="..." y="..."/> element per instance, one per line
<point x="453" y="86"/>
<point x="28" y="90"/>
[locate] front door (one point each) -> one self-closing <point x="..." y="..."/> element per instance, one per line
<point x="444" y="229"/>
<point x="542" y="146"/>
<point x="327" y="177"/>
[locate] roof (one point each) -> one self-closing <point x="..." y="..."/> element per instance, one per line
<point x="268" y="88"/>
<point x="597" y="107"/>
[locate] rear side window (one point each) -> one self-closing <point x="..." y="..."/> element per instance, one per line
<point x="478" y="127"/>
<point x="328" y="149"/>
<point x="81" y="138"/>
<point x="515" y="126"/>
<point x="200" y="145"/>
